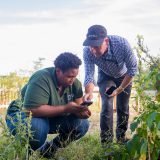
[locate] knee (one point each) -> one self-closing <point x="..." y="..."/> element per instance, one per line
<point x="40" y="130"/>
<point x="107" y="104"/>
<point x="85" y="125"/>
<point x="82" y="129"/>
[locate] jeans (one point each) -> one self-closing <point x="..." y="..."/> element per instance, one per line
<point x="122" y="107"/>
<point x="69" y="128"/>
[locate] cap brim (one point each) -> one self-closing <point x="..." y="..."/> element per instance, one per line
<point x="93" y="42"/>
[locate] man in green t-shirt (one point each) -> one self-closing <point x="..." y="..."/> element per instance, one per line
<point x="53" y="96"/>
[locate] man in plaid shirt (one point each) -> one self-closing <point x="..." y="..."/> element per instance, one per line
<point x="117" y="65"/>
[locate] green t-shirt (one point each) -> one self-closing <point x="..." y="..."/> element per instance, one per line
<point x="42" y="89"/>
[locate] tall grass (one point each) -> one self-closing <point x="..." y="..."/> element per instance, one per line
<point x="17" y="147"/>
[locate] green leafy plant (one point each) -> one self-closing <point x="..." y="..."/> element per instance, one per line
<point x="145" y="128"/>
<point x="15" y="147"/>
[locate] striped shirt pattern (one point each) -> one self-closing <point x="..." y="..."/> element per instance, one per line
<point x="118" y="60"/>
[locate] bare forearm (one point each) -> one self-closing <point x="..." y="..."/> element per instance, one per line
<point x="88" y="92"/>
<point x="48" y="111"/>
<point x="89" y="88"/>
<point x="126" y="81"/>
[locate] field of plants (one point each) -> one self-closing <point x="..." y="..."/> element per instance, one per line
<point x="144" y="143"/>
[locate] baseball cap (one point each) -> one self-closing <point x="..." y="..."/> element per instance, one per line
<point x="95" y="35"/>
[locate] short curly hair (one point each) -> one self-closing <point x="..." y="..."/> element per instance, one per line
<point x="66" y="61"/>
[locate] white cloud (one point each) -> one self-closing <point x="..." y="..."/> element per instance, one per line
<point x="27" y="35"/>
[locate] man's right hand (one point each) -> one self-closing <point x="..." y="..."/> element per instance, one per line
<point x="73" y="107"/>
<point x="88" y="92"/>
<point x="78" y="110"/>
<point x="88" y="97"/>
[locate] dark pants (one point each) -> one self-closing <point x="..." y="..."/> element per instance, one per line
<point x="69" y="128"/>
<point x="106" y="116"/>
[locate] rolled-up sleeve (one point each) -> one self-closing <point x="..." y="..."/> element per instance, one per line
<point x="130" y="60"/>
<point x="37" y="93"/>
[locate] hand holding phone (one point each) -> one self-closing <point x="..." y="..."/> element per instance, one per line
<point x="86" y="103"/>
<point x="110" y="90"/>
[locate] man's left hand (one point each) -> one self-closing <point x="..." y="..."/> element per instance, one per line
<point x="116" y="92"/>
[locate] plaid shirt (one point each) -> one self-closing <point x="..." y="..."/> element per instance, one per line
<point x="118" y="60"/>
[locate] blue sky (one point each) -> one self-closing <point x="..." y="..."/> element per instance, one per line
<point x="44" y="28"/>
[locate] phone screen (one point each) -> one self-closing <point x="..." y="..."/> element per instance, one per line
<point x="110" y="90"/>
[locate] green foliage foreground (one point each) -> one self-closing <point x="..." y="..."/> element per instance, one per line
<point x="144" y="144"/>
<point x="88" y="148"/>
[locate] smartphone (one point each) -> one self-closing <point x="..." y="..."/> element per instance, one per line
<point x="86" y="103"/>
<point x="110" y="90"/>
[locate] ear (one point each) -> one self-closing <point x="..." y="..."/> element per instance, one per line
<point x="58" y="71"/>
<point x="106" y="40"/>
